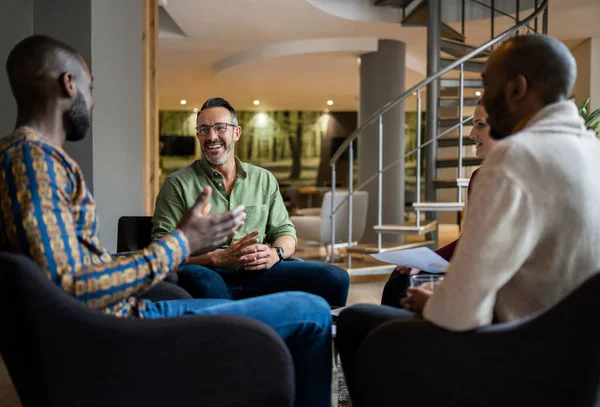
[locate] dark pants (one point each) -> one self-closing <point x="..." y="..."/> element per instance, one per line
<point x="396" y="287"/>
<point x="353" y="326"/>
<point x="325" y="280"/>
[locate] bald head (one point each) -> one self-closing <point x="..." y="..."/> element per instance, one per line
<point x="545" y="62"/>
<point x="34" y="68"/>
<point x="49" y="79"/>
<point x="525" y="74"/>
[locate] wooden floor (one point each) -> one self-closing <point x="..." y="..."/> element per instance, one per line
<point x="368" y="289"/>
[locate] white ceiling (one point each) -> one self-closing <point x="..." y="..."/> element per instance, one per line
<point x="226" y="30"/>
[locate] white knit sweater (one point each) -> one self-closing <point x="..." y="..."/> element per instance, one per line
<point x="532" y="234"/>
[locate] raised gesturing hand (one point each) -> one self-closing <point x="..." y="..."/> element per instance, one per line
<point x="208" y="232"/>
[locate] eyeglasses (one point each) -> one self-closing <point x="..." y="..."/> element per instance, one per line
<point x="220" y="128"/>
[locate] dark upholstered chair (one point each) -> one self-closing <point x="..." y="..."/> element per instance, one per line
<point x="60" y="352"/>
<point x="549" y="359"/>
<point x="134" y="233"/>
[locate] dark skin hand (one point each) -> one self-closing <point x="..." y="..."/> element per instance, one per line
<point x="206" y="233"/>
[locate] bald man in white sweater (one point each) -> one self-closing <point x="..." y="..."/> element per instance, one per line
<point x="532" y="234"/>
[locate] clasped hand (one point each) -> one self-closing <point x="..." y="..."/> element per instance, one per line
<point x="248" y="254"/>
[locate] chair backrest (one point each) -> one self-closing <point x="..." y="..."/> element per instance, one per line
<point x="32" y="315"/>
<point x="360" y="203"/>
<point x="134" y="233"/>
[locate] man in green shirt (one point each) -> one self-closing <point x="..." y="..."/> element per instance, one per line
<point x="253" y="263"/>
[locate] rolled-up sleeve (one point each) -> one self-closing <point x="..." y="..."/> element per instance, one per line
<point x="278" y="222"/>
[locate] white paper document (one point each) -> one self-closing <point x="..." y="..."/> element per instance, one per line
<point x="421" y="258"/>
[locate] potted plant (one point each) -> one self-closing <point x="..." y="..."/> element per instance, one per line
<point x="592" y="119"/>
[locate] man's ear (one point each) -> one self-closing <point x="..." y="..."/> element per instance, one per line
<point x="237" y="134"/>
<point x="67" y="85"/>
<point x="517" y="89"/>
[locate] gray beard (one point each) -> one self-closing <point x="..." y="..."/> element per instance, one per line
<point x="228" y="152"/>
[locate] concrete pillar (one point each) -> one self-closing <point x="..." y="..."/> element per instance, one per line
<point x="381" y="80"/>
<point x="109" y="36"/>
<point x="587" y="55"/>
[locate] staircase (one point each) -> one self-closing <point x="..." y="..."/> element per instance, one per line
<point x="460" y="87"/>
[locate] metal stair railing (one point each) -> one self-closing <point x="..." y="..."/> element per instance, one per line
<point x="378" y="117"/>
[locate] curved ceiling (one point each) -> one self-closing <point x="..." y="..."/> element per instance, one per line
<point x="292" y="55"/>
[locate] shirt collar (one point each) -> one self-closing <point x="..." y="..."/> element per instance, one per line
<point x="214" y="174"/>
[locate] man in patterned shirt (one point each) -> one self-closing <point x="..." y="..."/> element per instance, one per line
<point x="48" y="214"/>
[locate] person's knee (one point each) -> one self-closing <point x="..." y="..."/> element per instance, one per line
<point x="202" y="282"/>
<point x="305" y="306"/>
<point x="334" y="274"/>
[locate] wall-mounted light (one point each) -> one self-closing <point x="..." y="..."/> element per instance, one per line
<point x="183" y="101"/>
<point x="414" y="93"/>
<point x="330" y="102"/>
<point x="195" y="110"/>
<point x="478" y="93"/>
<point x="256" y="102"/>
<point x="326" y="110"/>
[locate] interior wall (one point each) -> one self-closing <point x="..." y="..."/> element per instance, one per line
<point x="582" y="54"/>
<point x="116" y="40"/>
<point x="16" y="23"/>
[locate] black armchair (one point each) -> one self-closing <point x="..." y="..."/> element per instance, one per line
<point x="549" y="359"/>
<point x="134" y="233"/>
<point x="59" y="352"/>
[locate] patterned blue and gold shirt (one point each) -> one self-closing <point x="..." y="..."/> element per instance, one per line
<point x="48" y="214"/>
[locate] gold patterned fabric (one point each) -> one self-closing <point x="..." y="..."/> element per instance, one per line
<point x="48" y="214"/>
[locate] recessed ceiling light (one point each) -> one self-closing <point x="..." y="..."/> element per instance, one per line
<point x="256" y="102"/>
<point x="183" y="101"/>
<point x="330" y="102"/>
<point x="195" y="110"/>
<point x="478" y="93"/>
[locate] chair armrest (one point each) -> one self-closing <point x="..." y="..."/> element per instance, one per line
<point x="308" y="212"/>
<point x="198" y="360"/>
<point x="504" y="364"/>
<point x="307" y="227"/>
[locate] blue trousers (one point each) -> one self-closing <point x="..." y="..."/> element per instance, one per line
<point x="302" y="320"/>
<point x="325" y="280"/>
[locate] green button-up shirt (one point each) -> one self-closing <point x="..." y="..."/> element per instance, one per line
<point x="254" y="187"/>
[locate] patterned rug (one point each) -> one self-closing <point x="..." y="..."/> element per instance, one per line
<point x="341" y="397"/>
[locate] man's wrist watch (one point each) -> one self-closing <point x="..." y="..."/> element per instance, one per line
<point x="280" y="252"/>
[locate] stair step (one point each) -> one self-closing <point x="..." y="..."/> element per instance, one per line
<point x="439" y="206"/>
<point x="417" y="13"/>
<point x="455" y="83"/>
<point x="372" y="248"/>
<point x="459" y="49"/>
<point x="452" y="141"/>
<point x="446" y="122"/>
<point x="441" y="183"/>
<point x="370" y="271"/>
<point x="453" y="162"/>
<point x="450" y="33"/>
<point x="454" y="101"/>
<point x="469" y="66"/>
<point x="407" y="229"/>
<point x="392" y="3"/>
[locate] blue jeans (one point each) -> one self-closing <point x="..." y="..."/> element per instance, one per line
<point x="302" y="320"/>
<point x="325" y="280"/>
